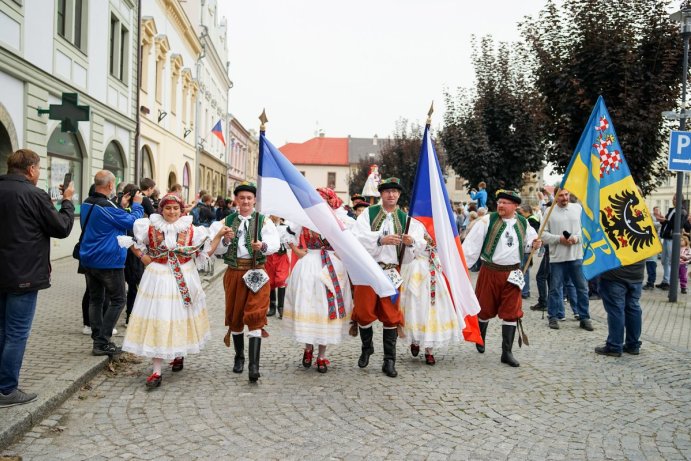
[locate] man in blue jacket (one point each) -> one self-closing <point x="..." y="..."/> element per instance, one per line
<point x="103" y="259"/>
<point x="30" y="221"/>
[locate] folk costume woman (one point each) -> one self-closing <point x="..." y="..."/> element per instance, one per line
<point x="169" y="318"/>
<point x="318" y="298"/>
<point x="431" y="320"/>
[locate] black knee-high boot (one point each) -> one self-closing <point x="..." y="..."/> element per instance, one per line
<point x="272" y="303"/>
<point x="367" y="346"/>
<point x="239" y="345"/>
<point x="389" y="367"/>
<point x="483" y="332"/>
<point x="253" y="368"/>
<point x="507" y="334"/>
<point x="281" y="299"/>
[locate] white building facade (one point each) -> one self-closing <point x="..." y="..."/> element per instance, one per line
<point x="48" y="48"/>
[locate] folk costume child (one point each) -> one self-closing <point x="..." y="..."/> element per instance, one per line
<point x="246" y="255"/>
<point x="380" y="229"/>
<point x="501" y="239"/>
<point x="169" y="318"/>
<point x="431" y="320"/>
<point x="318" y="298"/>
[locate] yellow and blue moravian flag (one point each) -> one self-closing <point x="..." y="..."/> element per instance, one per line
<point x="616" y="226"/>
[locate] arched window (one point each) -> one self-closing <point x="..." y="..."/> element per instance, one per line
<point x="172" y="179"/>
<point x="186" y="182"/>
<point x="5" y="148"/>
<point x="113" y="162"/>
<point x="147" y="163"/>
<point x="64" y="155"/>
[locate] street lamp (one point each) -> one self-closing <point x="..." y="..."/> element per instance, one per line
<point x="684" y="18"/>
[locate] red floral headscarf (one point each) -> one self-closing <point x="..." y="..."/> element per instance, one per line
<point x="330" y="197"/>
<point x="172" y="197"/>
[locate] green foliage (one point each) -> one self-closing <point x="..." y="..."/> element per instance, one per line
<point x="628" y="52"/>
<point x="493" y="133"/>
<point x="398" y="158"/>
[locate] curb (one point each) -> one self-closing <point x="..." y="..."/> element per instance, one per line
<point x="24" y="419"/>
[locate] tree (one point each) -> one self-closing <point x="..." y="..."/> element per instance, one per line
<point x="628" y="52"/>
<point x="493" y="133"/>
<point x="397" y="158"/>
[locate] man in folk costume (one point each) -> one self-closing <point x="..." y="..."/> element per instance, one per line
<point x="278" y="267"/>
<point x="500" y="239"/>
<point x="242" y="252"/>
<point x="381" y="229"/>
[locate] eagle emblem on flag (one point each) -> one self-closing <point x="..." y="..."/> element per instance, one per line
<point x="623" y="220"/>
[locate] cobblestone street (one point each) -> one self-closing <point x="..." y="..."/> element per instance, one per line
<point x="564" y="402"/>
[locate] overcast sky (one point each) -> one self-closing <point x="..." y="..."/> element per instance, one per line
<point x="355" y="67"/>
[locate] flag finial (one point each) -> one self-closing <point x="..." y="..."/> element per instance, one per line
<point x="429" y="114"/>
<point x="263" y="119"/>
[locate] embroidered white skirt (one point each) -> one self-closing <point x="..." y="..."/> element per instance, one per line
<point x="160" y="325"/>
<point x="426" y="324"/>
<point x="306" y="310"/>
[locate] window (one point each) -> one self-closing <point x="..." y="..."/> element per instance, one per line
<point x="162" y="48"/>
<point x="118" y="49"/>
<point x="64" y="156"/>
<point x="71" y="22"/>
<point x="186" y="182"/>
<point x="62" y="4"/>
<point x="112" y="161"/>
<point x="147" y="163"/>
<point x="331" y="180"/>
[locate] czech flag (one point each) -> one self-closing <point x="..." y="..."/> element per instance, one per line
<point x="430" y="205"/>
<point x="218" y="131"/>
<point x="283" y="191"/>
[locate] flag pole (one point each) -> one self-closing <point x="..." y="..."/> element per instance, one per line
<point x="542" y="228"/>
<point x="262" y="132"/>
<point x="407" y="221"/>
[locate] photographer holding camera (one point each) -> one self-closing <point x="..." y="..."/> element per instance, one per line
<point x="25" y="260"/>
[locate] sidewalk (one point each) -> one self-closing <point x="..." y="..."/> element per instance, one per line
<point x="58" y="360"/>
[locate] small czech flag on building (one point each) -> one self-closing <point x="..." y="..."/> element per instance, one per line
<point x="218" y="131"/>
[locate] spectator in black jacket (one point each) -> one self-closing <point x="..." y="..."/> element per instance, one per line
<point x="147" y="186"/>
<point x="24" y="261"/>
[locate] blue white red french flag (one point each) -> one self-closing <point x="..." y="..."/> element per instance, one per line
<point x="218" y="131"/>
<point x="283" y="191"/>
<point x="430" y="205"/>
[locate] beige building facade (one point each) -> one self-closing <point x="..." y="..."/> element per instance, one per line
<point x="169" y="90"/>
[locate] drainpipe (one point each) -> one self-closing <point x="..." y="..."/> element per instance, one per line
<point x="137" y="129"/>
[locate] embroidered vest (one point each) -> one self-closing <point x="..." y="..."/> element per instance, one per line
<point x="377" y="216"/>
<point x="494" y="231"/>
<point x="233" y="221"/>
<point x="156" y="238"/>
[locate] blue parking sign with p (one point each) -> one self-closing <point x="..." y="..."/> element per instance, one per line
<point x="679" y="151"/>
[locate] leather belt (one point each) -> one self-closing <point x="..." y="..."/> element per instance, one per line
<point x="244" y="264"/>
<point x="499" y="267"/>
<point x="386" y="267"/>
